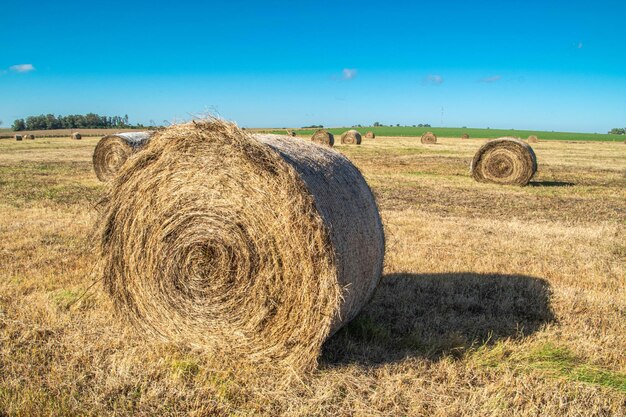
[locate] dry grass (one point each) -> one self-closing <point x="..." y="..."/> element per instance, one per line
<point x="496" y="300"/>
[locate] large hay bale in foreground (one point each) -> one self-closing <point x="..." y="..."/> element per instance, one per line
<point x="18" y="137"/>
<point x="533" y="139"/>
<point x="254" y="248"/>
<point x="323" y="137"/>
<point x="429" y="138"/>
<point x="77" y="136"/>
<point x="370" y="135"/>
<point x="351" y="137"/>
<point x="113" y="150"/>
<point x="504" y="161"/>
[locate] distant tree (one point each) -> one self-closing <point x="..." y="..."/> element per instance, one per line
<point x="617" y="131"/>
<point x="426" y="125"/>
<point x="377" y="124"/>
<point x="398" y="124"/>
<point x="420" y="125"/>
<point x="19" y="125"/>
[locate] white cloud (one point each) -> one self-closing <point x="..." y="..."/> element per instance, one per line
<point x="348" y="73"/>
<point x="492" y="79"/>
<point x="433" y="79"/>
<point x="22" y="68"/>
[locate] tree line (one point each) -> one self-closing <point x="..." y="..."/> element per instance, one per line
<point x="73" y="121"/>
<point x="618" y="131"/>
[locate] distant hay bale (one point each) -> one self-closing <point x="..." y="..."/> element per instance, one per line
<point x="29" y="136"/>
<point x="533" y="139"/>
<point x="113" y="150"/>
<point x="429" y="138"/>
<point x="76" y="136"/>
<point x="351" y="137"/>
<point x="291" y="132"/>
<point x="504" y="161"/>
<point x="370" y="135"/>
<point x="323" y="137"/>
<point x="253" y="248"/>
<point x="18" y="137"/>
<point x="465" y="136"/>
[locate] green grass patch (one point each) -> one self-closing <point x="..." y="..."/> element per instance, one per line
<point x="454" y="132"/>
<point x="552" y="360"/>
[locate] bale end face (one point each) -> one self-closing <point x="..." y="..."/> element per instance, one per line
<point x="18" y="137"/>
<point x="254" y="248"/>
<point x="351" y="137"/>
<point x="429" y="138"/>
<point x="507" y="161"/>
<point x="77" y="136"/>
<point x="112" y="151"/>
<point x="370" y="135"/>
<point x="323" y="137"/>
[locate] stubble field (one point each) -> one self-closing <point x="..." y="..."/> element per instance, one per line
<point x="495" y="300"/>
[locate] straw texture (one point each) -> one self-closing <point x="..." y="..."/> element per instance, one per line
<point x="504" y="161"/>
<point x="255" y="248"/>
<point x="429" y="138"/>
<point x="351" y="137"/>
<point x="323" y="137"/>
<point x="113" y="150"/>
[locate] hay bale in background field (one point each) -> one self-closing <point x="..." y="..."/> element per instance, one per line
<point x="533" y="139"/>
<point x="429" y="138"/>
<point x="76" y="136"/>
<point x="323" y="137"/>
<point x="18" y="137"/>
<point x="29" y="136"/>
<point x="465" y="136"/>
<point x="351" y="137"/>
<point x="113" y="150"/>
<point x="291" y="133"/>
<point x="255" y="248"/>
<point x="370" y="135"/>
<point x="504" y="161"/>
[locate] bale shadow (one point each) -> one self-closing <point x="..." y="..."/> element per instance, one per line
<point x="436" y="315"/>
<point x="550" y="184"/>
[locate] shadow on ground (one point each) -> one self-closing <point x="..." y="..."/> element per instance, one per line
<point x="550" y="184"/>
<point x="435" y="315"/>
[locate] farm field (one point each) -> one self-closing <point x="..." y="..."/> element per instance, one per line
<point x="456" y="132"/>
<point x="495" y="300"/>
<point x="8" y="133"/>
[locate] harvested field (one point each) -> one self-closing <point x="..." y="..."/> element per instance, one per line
<point x="495" y="300"/>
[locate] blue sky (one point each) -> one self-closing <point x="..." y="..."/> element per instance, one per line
<point x="553" y="65"/>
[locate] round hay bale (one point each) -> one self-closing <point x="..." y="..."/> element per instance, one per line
<point x="253" y="248"/>
<point x="504" y="161"/>
<point x="429" y="138"/>
<point x="370" y="135"/>
<point x="29" y="136"/>
<point x="291" y="133"/>
<point x="533" y="139"/>
<point x="113" y="150"/>
<point x="351" y="137"/>
<point x="77" y="136"/>
<point x="18" y="137"/>
<point x="323" y="137"/>
<point x="465" y="136"/>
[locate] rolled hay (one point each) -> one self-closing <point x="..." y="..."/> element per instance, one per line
<point x="351" y="137"/>
<point x="18" y="137"/>
<point x="76" y="136"/>
<point x="291" y="133"/>
<point x="504" y="161"/>
<point x="465" y="136"/>
<point x="253" y="248"/>
<point x="113" y="150"/>
<point x="370" y="135"/>
<point x="429" y="138"/>
<point x="29" y="136"/>
<point x="323" y="137"/>
<point x="533" y="139"/>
